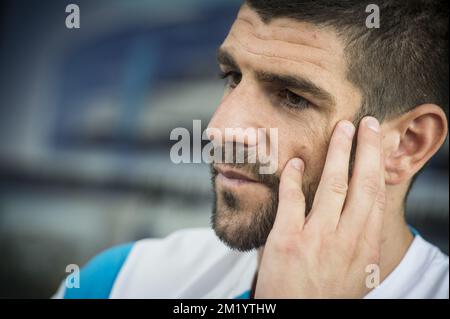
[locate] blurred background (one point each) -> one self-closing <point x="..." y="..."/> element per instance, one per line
<point x="85" y="119"/>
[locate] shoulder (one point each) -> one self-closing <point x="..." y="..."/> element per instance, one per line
<point x="129" y="268"/>
<point x="98" y="275"/>
<point x="434" y="271"/>
<point x="191" y="263"/>
<point x="423" y="273"/>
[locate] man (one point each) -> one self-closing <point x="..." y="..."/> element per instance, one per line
<point x="359" y="112"/>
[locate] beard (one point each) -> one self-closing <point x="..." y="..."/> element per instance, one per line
<point x="243" y="223"/>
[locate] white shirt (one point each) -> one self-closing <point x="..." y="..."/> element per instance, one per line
<point x="194" y="263"/>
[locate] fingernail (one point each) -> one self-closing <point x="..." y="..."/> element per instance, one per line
<point x="298" y="164"/>
<point x="348" y="128"/>
<point x="373" y="124"/>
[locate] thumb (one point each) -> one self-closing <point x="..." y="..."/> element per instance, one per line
<point x="291" y="206"/>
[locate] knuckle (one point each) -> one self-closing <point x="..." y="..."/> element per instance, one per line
<point x="374" y="256"/>
<point x="311" y="233"/>
<point x="381" y="199"/>
<point x="338" y="185"/>
<point x="371" y="185"/>
<point x="372" y="252"/>
<point x="285" y="245"/>
<point x="345" y="249"/>
<point x="349" y="240"/>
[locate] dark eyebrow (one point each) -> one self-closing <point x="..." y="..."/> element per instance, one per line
<point x="297" y="82"/>
<point x="287" y="81"/>
<point x="226" y="59"/>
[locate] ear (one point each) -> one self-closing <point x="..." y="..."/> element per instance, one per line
<point x="411" y="140"/>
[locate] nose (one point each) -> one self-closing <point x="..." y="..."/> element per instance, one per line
<point x="237" y="112"/>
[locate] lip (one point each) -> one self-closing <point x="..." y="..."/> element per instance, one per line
<point x="232" y="176"/>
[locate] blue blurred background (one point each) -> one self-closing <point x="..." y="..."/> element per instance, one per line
<point x="85" y="119"/>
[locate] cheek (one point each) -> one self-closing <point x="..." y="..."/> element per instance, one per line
<point x="307" y="143"/>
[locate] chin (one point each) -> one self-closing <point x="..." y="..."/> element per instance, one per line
<point x="242" y="225"/>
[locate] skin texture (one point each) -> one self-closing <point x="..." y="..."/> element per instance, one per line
<point x="326" y="228"/>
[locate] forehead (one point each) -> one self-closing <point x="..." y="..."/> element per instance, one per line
<point x="290" y="47"/>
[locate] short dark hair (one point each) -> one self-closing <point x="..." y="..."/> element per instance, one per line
<point x="398" y="66"/>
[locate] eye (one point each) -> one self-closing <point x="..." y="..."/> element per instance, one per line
<point x="233" y="78"/>
<point x="292" y="100"/>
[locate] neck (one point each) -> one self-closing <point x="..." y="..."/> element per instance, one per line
<point x="395" y="241"/>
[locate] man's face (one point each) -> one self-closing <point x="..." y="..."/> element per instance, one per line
<point x="287" y="75"/>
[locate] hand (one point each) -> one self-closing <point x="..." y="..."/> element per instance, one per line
<point x="326" y="254"/>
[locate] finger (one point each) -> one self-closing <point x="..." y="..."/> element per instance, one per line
<point x="365" y="182"/>
<point x="291" y="206"/>
<point x="374" y="223"/>
<point x="332" y="191"/>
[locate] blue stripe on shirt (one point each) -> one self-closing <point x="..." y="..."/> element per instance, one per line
<point x="98" y="276"/>
<point x="245" y="295"/>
